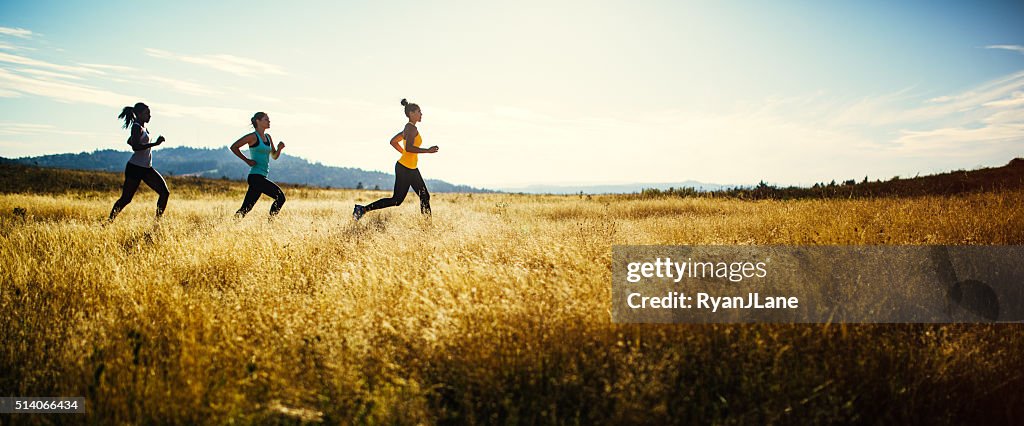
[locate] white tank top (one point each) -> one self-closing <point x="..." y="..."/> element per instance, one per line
<point x="143" y="158"/>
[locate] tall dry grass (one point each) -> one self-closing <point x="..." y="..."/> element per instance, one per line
<point x="496" y="310"/>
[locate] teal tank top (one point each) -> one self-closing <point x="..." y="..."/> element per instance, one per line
<point x="261" y="155"/>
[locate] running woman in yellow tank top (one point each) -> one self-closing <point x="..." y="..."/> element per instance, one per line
<point x="407" y="173"/>
<point x="409" y="159"/>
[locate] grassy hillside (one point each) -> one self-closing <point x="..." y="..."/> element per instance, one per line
<point x="496" y="310"/>
<point x="19" y="178"/>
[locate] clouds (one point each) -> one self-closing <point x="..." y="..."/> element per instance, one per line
<point x="955" y="142"/>
<point x="988" y="117"/>
<point x="36" y="79"/>
<point x="120" y="69"/>
<point x="184" y="86"/>
<point x="19" y="138"/>
<point x="1011" y="47"/>
<point x="730" y="121"/>
<point x="24" y="75"/>
<point x="12" y="128"/>
<point x="243" y="67"/>
<point x="16" y="32"/>
<point x="206" y="105"/>
<point x="796" y="139"/>
<point x="59" y="90"/>
<point x="24" y="60"/>
<point x="49" y="74"/>
<point x="1015" y="100"/>
<point x="13" y="48"/>
<point x="905" y="123"/>
<point x="77" y="92"/>
<point x="974" y="98"/>
<point x="112" y="85"/>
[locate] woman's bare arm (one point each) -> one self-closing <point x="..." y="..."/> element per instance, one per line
<point x="410" y="134"/>
<point x="275" y="153"/>
<point x="395" y="142"/>
<point x="136" y="138"/>
<point x="244" y="140"/>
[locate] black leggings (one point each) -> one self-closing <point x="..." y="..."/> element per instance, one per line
<point x="404" y="178"/>
<point x="258" y="185"/>
<point x="133" y="175"/>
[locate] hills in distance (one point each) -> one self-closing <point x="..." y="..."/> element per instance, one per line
<point x="221" y="163"/>
<point x="624" y="188"/>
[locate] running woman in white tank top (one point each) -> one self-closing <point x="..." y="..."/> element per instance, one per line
<point x="140" y="166"/>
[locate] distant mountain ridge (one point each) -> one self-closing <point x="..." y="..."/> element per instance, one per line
<point x="1008" y="177"/>
<point x="624" y="188"/>
<point x="220" y="162"/>
<point x="25" y="175"/>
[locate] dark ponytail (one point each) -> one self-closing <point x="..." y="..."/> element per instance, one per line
<point x="130" y="114"/>
<point x="255" y="117"/>
<point x="409" y="107"/>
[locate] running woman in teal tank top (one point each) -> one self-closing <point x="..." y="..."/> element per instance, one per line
<point x="261" y="149"/>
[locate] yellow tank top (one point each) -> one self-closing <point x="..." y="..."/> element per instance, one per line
<point x="409" y="159"/>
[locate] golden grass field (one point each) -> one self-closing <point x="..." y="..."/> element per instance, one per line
<point x="496" y="310"/>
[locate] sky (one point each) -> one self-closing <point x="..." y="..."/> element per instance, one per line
<point x="521" y="93"/>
